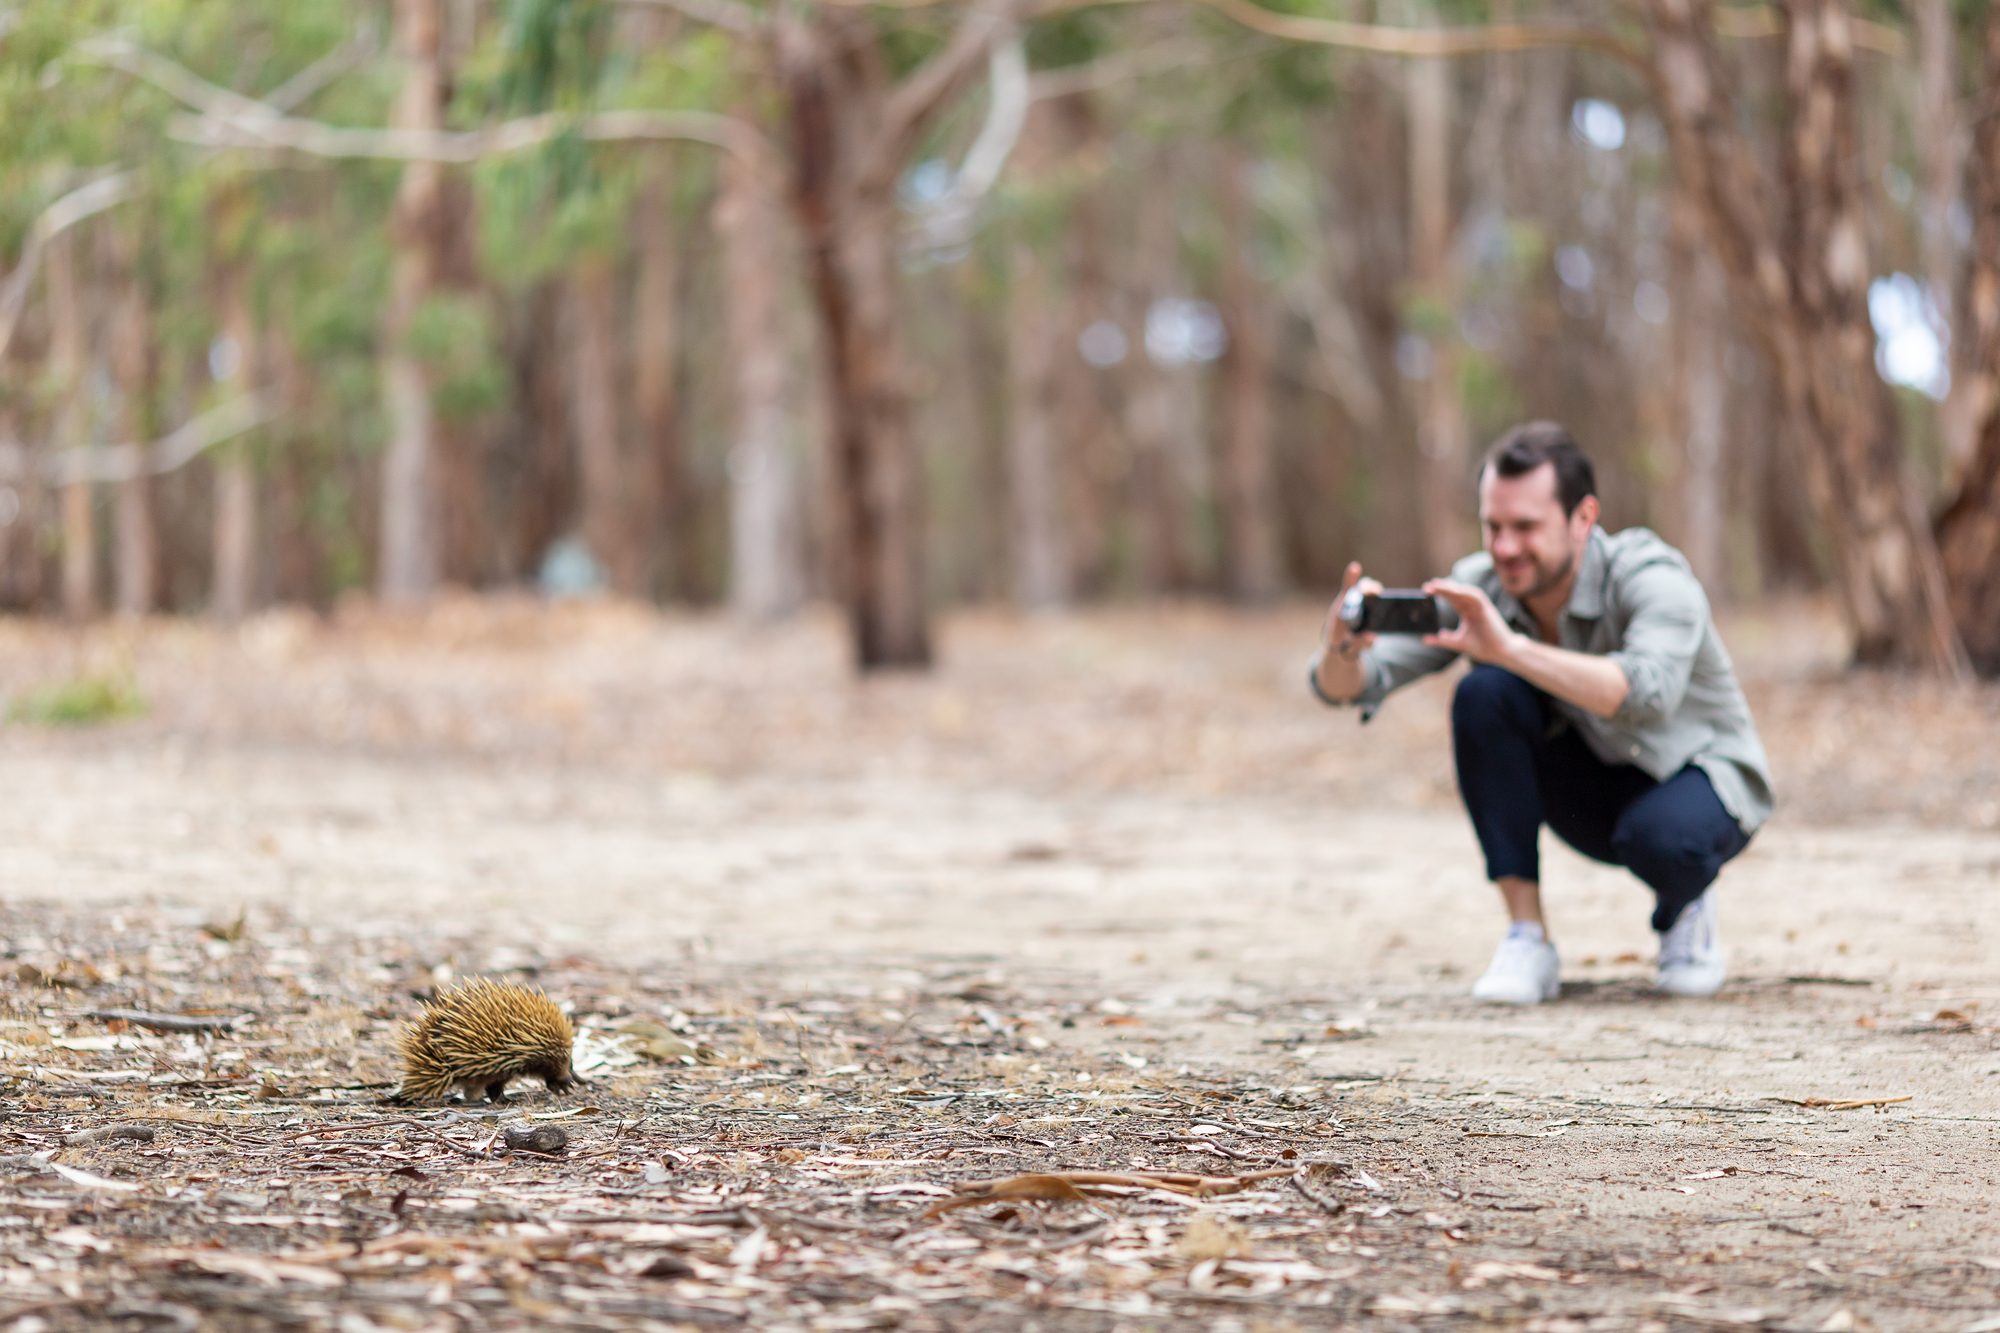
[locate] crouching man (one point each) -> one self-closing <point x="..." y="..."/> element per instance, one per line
<point x="1600" y="702"/>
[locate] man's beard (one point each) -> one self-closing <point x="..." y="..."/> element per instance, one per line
<point x="1551" y="579"/>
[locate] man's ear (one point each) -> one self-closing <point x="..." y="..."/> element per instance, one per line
<point x="1586" y="512"/>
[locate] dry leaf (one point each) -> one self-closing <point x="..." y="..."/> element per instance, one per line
<point x="1208" y="1237"/>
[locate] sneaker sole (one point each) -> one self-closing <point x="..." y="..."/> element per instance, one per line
<point x="1519" y="1002"/>
<point x="1694" y="987"/>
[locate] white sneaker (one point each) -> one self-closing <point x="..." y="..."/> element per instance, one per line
<point x="1524" y="970"/>
<point x="1691" y="953"/>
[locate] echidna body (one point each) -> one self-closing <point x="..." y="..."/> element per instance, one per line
<point x="478" y="1036"/>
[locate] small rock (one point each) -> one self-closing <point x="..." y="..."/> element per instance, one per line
<point x="667" y="1265"/>
<point x="536" y="1138"/>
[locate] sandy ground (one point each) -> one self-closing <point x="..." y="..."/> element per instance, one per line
<point x="1147" y="805"/>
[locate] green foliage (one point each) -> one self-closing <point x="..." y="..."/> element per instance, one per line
<point x="80" y="701"/>
<point x="1069" y="39"/>
<point x="904" y="46"/>
<point x="1492" y="402"/>
<point x="454" y="335"/>
<point x="551" y="53"/>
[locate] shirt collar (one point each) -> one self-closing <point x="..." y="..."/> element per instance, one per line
<point x="1586" y="595"/>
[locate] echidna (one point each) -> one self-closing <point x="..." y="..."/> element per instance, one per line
<point x="478" y="1036"/>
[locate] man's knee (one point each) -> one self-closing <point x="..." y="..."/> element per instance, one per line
<point x="1490" y="698"/>
<point x="1667" y="839"/>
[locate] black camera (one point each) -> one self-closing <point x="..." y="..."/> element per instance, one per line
<point x="1396" y="611"/>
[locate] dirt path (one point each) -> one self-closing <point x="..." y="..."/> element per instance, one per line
<point x="1211" y="920"/>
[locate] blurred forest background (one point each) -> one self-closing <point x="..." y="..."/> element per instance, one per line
<point x="918" y="304"/>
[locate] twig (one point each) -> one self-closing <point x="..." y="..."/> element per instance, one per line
<point x="320" y="1130"/>
<point x="1334" y="1207"/>
<point x="453" y="1144"/>
<point x="1210" y="1145"/>
<point x="169" y="1022"/>
<point x="136" y="1132"/>
<point x="230" y="120"/>
<point x="1081" y="1186"/>
<point x="1434" y="43"/>
<point x="1840" y="1104"/>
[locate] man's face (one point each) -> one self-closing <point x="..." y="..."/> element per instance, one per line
<point x="1534" y="544"/>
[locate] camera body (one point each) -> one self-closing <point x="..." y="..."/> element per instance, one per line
<point x="1396" y="611"/>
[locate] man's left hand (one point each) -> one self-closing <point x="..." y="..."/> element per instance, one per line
<point x="1482" y="634"/>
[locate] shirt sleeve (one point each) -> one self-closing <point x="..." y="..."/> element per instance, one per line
<point x="1393" y="662"/>
<point x="1666" y="616"/>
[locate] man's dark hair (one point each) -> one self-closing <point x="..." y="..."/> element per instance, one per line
<point x="1528" y="446"/>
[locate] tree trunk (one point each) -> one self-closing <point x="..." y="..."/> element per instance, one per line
<point x="136" y="577"/>
<point x="1941" y="150"/>
<point x="235" y="485"/>
<point x="657" y="481"/>
<point x="1699" y="337"/>
<point x="1798" y="268"/>
<point x="1090" y="443"/>
<point x="1159" y="556"/>
<point x="1034" y="491"/>
<point x="765" y="581"/>
<point x="1440" y="415"/>
<point x="66" y="367"/>
<point x="408" y="570"/>
<point x="1249" y="512"/>
<point x="607" y="527"/>
<point x="1969" y="528"/>
<point x="838" y="94"/>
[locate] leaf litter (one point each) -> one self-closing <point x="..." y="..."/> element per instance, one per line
<point x="738" y="1156"/>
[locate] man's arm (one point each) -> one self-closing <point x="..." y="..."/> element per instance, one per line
<point x="1595" y="684"/>
<point x="1357" y="668"/>
<point x="1338" y="673"/>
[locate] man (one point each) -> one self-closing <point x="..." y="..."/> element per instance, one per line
<point x="1600" y="702"/>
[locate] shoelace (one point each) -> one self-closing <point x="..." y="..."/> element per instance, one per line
<point x="1679" y="945"/>
<point x="1519" y="949"/>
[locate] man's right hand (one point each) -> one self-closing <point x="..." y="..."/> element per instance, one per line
<point x="1338" y="668"/>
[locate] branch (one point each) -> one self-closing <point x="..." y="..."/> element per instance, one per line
<point x="122" y="462"/>
<point x="1763" y="21"/>
<point x="112" y="190"/>
<point x="513" y="136"/>
<point x="926" y="90"/>
<point x="1006" y="113"/>
<point x="323" y="71"/>
<point x="230" y="120"/>
<point x="1092" y="75"/>
<point x="1431" y="42"/>
<point x="64" y="213"/>
<point x="729" y="14"/>
<point x="948" y="222"/>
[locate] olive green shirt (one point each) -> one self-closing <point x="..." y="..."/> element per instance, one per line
<point x="1637" y="603"/>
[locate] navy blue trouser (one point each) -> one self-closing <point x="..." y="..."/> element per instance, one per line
<point x="1521" y="765"/>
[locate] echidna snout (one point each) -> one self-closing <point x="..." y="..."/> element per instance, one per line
<point x="477" y="1037"/>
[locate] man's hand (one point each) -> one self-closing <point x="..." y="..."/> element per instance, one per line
<point x="1338" y="669"/>
<point x="1482" y="634"/>
<point x="1594" y="684"/>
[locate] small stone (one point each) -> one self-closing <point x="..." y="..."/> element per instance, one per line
<point x="536" y="1138"/>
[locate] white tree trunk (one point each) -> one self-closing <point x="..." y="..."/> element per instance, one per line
<point x="136" y="540"/>
<point x="235" y="531"/>
<point x="408" y="564"/>
<point x="1035" y="327"/>
<point x="656" y="363"/>
<point x="765" y="580"/>
<point x="594" y="412"/>
<point x="66" y="358"/>
<point x="1441" y="425"/>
